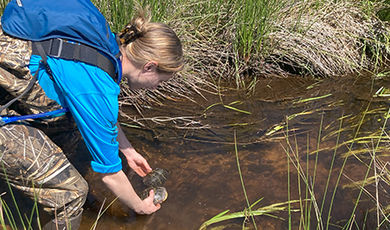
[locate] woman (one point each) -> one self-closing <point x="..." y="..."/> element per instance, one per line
<point x="149" y="53"/>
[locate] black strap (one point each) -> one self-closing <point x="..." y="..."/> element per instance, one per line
<point x="59" y="48"/>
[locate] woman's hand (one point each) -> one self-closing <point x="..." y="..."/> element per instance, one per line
<point x="137" y="162"/>
<point x="120" y="185"/>
<point x="134" y="159"/>
<point x="148" y="207"/>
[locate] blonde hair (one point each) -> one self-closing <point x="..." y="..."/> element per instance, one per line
<point x="146" y="41"/>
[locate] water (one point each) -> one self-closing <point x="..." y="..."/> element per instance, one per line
<point x="204" y="179"/>
<point x="271" y="124"/>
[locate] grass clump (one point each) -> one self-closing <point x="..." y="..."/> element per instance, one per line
<point x="241" y="41"/>
<point x="329" y="39"/>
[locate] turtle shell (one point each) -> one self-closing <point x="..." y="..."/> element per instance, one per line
<point x="156" y="178"/>
<point x="160" y="194"/>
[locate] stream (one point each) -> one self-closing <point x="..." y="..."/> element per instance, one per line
<point x="310" y="142"/>
<point x="286" y="131"/>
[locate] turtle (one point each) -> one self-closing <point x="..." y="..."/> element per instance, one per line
<point x="160" y="194"/>
<point x="155" y="180"/>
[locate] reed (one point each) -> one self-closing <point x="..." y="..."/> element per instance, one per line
<point x="19" y="220"/>
<point x="249" y="211"/>
<point x="374" y="166"/>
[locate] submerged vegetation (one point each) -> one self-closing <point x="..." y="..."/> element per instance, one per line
<point x="321" y="174"/>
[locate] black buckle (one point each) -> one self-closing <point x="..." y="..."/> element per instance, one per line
<point x="56" y="46"/>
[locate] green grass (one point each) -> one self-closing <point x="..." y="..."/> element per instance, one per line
<point x="254" y="20"/>
<point x="237" y="39"/>
<point x="347" y="142"/>
<point x="18" y="220"/>
<point x="249" y="211"/>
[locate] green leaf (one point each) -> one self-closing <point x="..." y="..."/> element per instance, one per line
<point x="238" y="110"/>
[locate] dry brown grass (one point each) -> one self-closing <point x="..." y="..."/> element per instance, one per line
<point x="317" y="38"/>
<point x="329" y="40"/>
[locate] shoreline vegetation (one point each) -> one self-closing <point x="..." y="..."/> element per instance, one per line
<point x="240" y="41"/>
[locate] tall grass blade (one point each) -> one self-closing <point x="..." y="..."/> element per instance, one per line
<point x="238" y="110"/>
<point x="243" y="214"/>
<point x="241" y="178"/>
<point x="343" y="165"/>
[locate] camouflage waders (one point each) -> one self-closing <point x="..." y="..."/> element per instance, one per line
<point x="29" y="160"/>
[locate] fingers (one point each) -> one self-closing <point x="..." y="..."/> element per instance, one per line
<point x="140" y="172"/>
<point x="139" y="164"/>
<point x="150" y="207"/>
<point x="146" y="166"/>
<point x="147" y="169"/>
<point x="151" y="195"/>
<point x="142" y="169"/>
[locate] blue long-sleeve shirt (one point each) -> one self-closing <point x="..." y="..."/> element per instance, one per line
<point x="92" y="98"/>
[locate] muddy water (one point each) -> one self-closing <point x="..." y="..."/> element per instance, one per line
<point x="277" y="132"/>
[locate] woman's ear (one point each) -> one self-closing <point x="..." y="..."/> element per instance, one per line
<point x="151" y="66"/>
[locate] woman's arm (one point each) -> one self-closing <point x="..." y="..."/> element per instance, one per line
<point x="134" y="159"/>
<point x="119" y="184"/>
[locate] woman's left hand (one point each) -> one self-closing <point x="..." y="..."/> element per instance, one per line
<point x="137" y="162"/>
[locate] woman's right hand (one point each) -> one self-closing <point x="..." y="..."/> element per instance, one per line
<point x="147" y="206"/>
<point x="120" y="185"/>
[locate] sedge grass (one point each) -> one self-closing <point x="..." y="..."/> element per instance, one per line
<point x="237" y="40"/>
<point x="249" y="211"/>
<point x="242" y="180"/>
<point x="266" y="210"/>
<point x="228" y="106"/>
<point x="323" y="219"/>
<point x="8" y="212"/>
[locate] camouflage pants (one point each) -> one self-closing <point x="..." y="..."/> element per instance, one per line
<point x="32" y="163"/>
<point x="29" y="160"/>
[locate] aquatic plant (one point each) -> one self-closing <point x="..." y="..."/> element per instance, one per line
<point x="12" y="220"/>
<point x="323" y="219"/>
<point x="249" y="211"/>
<point x="358" y="140"/>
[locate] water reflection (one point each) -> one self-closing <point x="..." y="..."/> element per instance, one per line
<point x="296" y="120"/>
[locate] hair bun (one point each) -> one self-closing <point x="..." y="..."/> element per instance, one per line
<point x="129" y="34"/>
<point x="137" y="25"/>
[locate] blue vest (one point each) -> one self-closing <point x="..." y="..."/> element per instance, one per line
<point x="76" y="20"/>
